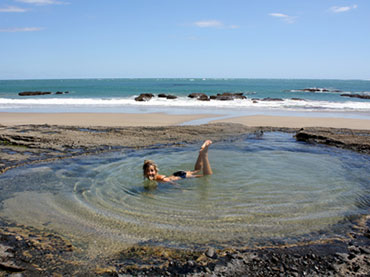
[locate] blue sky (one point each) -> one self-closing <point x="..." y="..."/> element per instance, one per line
<point x="184" y="38"/>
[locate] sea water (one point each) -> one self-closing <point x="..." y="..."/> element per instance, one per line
<point x="117" y="95"/>
<point x="264" y="190"/>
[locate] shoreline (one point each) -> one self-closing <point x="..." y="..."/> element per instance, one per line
<point x="164" y="119"/>
<point x="39" y="252"/>
<point x="97" y="119"/>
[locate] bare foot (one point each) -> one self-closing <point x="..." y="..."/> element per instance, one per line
<point x="204" y="147"/>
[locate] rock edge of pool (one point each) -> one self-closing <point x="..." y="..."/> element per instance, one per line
<point x="27" y="251"/>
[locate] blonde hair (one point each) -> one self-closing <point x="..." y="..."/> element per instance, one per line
<point x="147" y="164"/>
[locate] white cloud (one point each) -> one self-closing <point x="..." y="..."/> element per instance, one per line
<point x="41" y="2"/>
<point x="284" y="17"/>
<point x="25" y="29"/>
<point x="336" y="9"/>
<point x="208" y="24"/>
<point x="234" y="26"/>
<point x="12" y="9"/>
<point x="213" y="24"/>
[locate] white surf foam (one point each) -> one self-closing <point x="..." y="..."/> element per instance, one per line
<point x="183" y="102"/>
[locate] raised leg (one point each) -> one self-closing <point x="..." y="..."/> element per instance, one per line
<point x="202" y="160"/>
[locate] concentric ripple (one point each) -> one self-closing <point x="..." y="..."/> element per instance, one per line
<point x="272" y="188"/>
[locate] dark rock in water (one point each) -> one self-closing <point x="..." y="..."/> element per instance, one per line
<point x="361" y="96"/>
<point x="33" y="93"/>
<point x="144" y="97"/>
<point x="213" y="97"/>
<point x="199" y="96"/>
<point x="162" y="95"/>
<point x="224" y="97"/>
<point x="297" y="99"/>
<point x="203" y="98"/>
<point x="171" y="97"/>
<point x="196" y="95"/>
<point x="272" y="99"/>
<point x="258" y="133"/>
<point x="314" y="90"/>
<point x="227" y="96"/>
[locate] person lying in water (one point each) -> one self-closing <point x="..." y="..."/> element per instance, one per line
<point x="150" y="169"/>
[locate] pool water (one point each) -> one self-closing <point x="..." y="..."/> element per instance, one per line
<point x="263" y="190"/>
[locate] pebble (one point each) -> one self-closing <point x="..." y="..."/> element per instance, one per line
<point x="210" y="253"/>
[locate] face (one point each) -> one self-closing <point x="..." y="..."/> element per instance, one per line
<point x="151" y="172"/>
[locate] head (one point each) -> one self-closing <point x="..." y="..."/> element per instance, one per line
<point x="150" y="169"/>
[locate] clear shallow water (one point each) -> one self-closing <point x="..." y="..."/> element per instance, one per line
<point x="272" y="188"/>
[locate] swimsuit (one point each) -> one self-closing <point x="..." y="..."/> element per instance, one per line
<point x="181" y="174"/>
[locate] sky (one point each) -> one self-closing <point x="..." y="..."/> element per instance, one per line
<point x="313" y="39"/>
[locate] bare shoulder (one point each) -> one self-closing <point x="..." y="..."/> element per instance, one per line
<point x="161" y="178"/>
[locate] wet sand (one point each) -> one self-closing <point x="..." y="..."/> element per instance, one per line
<point x="299" y="122"/>
<point x="37" y="252"/>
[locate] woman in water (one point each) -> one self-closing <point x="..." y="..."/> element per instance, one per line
<point x="150" y="169"/>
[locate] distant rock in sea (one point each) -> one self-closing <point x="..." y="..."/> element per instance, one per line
<point x="272" y="99"/>
<point x="36" y="93"/>
<point x="168" y="96"/>
<point x="315" y="90"/>
<point x="33" y="93"/>
<point x="361" y="96"/>
<point x="196" y="95"/>
<point x="227" y="96"/>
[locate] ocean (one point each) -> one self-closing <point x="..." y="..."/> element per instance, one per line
<point x="118" y="96"/>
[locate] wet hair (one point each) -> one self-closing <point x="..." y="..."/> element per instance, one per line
<point x="147" y="164"/>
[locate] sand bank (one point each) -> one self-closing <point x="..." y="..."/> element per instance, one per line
<point x="97" y="119"/>
<point x="162" y="119"/>
<point x="299" y="122"/>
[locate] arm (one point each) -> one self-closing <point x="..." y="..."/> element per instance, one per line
<point x="170" y="179"/>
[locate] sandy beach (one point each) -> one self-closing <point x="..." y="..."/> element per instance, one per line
<point x="162" y="119"/>
<point x="96" y="119"/>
